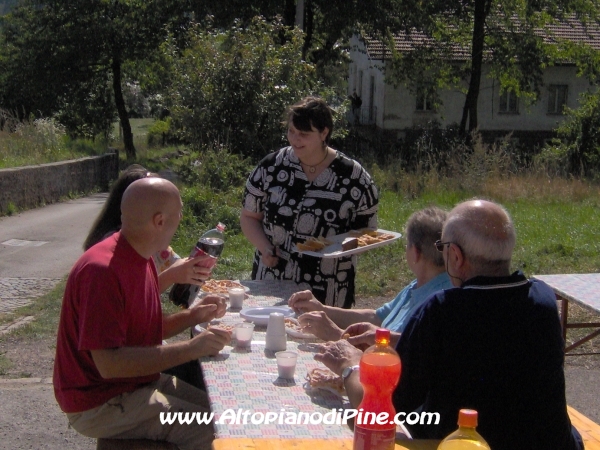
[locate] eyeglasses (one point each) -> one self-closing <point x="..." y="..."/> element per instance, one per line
<point x="440" y="245"/>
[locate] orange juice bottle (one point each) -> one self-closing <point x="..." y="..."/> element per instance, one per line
<point x="379" y="375"/>
<point x="466" y="437"/>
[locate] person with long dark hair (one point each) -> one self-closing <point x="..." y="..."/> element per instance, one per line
<point x="171" y="267"/>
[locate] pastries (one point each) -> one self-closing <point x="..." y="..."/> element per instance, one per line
<point x="326" y="379"/>
<point x="367" y="236"/>
<point x="349" y="243"/>
<point x="293" y="325"/>
<point x="313" y="244"/>
<point x="223" y="326"/>
<point x="219" y="286"/>
<point x="345" y="242"/>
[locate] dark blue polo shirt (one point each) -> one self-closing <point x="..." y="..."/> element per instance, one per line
<point x="493" y="345"/>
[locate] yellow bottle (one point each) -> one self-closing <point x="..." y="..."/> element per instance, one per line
<point x="465" y="438"/>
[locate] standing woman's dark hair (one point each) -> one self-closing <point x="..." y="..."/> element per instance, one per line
<point x="109" y="219"/>
<point x="310" y="112"/>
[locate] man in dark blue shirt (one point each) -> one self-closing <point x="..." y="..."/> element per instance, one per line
<point x="493" y="343"/>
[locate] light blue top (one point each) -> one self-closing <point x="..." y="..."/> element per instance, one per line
<point x="394" y="315"/>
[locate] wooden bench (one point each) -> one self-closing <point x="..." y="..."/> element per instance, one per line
<point x="589" y="430"/>
<point x="309" y="444"/>
<point x="134" y="444"/>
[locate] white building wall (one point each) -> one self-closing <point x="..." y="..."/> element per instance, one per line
<point x="366" y="78"/>
<point x="534" y="116"/>
<point x="396" y="107"/>
<point x="400" y="105"/>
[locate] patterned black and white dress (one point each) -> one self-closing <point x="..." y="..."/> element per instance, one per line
<point x="343" y="197"/>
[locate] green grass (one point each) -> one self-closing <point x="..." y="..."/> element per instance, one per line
<point x="5" y="364"/>
<point x="556" y="222"/>
<point x="555" y="234"/>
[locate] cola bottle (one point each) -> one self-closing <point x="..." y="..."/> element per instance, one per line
<point x="210" y="243"/>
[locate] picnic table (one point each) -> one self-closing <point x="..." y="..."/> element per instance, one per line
<point x="247" y="380"/>
<point x="582" y="289"/>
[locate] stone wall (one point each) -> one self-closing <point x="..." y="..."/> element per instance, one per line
<point x="31" y="186"/>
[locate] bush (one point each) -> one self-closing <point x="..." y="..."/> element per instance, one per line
<point x="576" y="151"/>
<point x="159" y="133"/>
<point x="217" y="169"/>
<point x="231" y="87"/>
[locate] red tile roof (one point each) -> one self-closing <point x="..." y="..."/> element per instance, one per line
<point x="569" y="29"/>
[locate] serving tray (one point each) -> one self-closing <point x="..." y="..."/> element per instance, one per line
<point x="335" y="250"/>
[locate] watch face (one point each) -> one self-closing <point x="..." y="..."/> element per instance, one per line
<point x="348" y="370"/>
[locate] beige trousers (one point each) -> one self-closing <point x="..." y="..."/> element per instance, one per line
<point x="135" y="415"/>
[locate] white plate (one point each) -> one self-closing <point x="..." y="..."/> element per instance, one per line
<point x="335" y="250"/>
<point x="260" y="314"/>
<point x="298" y="334"/>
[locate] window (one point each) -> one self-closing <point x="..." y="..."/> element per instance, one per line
<point x="509" y="103"/>
<point x="424" y="99"/>
<point x="557" y="98"/>
<point x="360" y="83"/>
<point x="372" y="99"/>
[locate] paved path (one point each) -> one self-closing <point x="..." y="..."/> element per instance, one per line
<point x="38" y="248"/>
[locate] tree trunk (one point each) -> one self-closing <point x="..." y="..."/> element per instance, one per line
<point x="123" y="117"/>
<point x="470" y="108"/>
<point x="289" y="13"/>
<point x="308" y="28"/>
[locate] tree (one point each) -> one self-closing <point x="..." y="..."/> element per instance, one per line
<point x="230" y="87"/>
<point x="327" y="24"/>
<point x="576" y="150"/>
<point x="73" y="43"/>
<point x="515" y="37"/>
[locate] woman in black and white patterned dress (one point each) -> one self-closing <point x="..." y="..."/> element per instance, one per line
<point x="307" y="189"/>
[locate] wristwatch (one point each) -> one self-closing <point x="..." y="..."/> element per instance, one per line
<point x="348" y="371"/>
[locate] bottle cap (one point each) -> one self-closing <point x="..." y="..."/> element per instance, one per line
<point x="382" y="336"/>
<point x="467" y="418"/>
<point x="221" y="227"/>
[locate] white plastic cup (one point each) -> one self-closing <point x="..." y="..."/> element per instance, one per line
<point x="286" y="363"/>
<point x="275" y="339"/>
<point x="276" y="324"/>
<point x="243" y="334"/>
<point x="236" y="297"/>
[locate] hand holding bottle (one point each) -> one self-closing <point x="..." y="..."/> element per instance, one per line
<point x="209" y="247"/>
<point x="189" y="271"/>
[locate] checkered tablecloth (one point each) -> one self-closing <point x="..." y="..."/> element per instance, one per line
<point x="581" y="288"/>
<point x="241" y="380"/>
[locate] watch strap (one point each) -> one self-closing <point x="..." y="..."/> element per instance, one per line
<point x="348" y="371"/>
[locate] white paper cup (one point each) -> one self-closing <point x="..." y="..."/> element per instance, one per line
<point x="243" y="334"/>
<point x="276" y="324"/>
<point x="236" y="297"/>
<point x="286" y="363"/>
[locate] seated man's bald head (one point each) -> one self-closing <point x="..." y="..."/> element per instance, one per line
<point x="485" y="232"/>
<point x="150" y="214"/>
